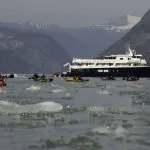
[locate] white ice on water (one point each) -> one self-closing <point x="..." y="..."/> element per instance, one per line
<point x="10" y="107"/>
<point x="33" y="88"/>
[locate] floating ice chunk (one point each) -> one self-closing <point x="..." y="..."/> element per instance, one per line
<point x="33" y="88"/>
<point x="54" y="85"/>
<point x="102" y="130"/>
<point x="9" y="107"/>
<point x="121" y="132"/>
<point x="58" y="91"/>
<point x="2" y="91"/>
<point x="105" y="92"/>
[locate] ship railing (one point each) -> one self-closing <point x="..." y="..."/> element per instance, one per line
<point x="67" y="64"/>
<point x="133" y="61"/>
<point x="84" y="66"/>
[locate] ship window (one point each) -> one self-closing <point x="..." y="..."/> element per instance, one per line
<point x="100" y="70"/>
<point x="112" y="57"/>
<point x="105" y="70"/>
<point x="97" y="64"/>
<point x="110" y="64"/>
<point x="108" y="57"/>
<point x="121" y="58"/>
<point x="136" y="56"/>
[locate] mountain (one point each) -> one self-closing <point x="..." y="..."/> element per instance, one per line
<point x="138" y="37"/>
<point x="73" y="45"/>
<point x="119" y="24"/>
<point x="125" y="22"/>
<point x="82" y="42"/>
<point x="79" y="42"/>
<point x="95" y="39"/>
<point x="100" y="37"/>
<point x="23" y="51"/>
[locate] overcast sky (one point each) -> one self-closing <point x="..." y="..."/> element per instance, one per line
<point x="69" y="12"/>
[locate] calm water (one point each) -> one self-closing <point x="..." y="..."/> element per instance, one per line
<point x="107" y="115"/>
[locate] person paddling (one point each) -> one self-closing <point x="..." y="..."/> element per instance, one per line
<point x="43" y="76"/>
<point x="35" y="77"/>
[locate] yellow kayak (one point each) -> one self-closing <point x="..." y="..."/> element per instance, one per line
<point x="44" y="80"/>
<point x="108" y="78"/>
<point x="75" y="80"/>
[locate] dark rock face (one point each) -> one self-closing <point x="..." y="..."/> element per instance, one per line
<point x="96" y="39"/>
<point x="138" y="37"/>
<point x="24" y="51"/>
<point x="78" y="42"/>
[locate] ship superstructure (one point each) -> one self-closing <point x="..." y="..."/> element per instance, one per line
<point x="117" y="65"/>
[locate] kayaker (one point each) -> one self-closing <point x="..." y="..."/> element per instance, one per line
<point x="2" y="82"/>
<point x="11" y="76"/>
<point x="1" y="78"/>
<point x="35" y="75"/>
<point x="79" y="78"/>
<point x="74" y="77"/>
<point x="43" y="76"/>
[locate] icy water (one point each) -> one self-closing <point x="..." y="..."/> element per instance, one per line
<point x="107" y="115"/>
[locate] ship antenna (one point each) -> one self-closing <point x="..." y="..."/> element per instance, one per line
<point x="128" y="47"/>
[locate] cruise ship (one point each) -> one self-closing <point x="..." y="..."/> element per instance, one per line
<point x="120" y="65"/>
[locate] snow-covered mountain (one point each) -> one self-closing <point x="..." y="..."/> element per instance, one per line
<point x="138" y="38"/>
<point x="85" y="41"/>
<point x="118" y="24"/>
<point x="124" y="20"/>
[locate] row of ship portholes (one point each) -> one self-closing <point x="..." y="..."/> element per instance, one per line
<point x="108" y="70"/>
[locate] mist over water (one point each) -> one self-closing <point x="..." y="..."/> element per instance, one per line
<point x="75" y="116"/>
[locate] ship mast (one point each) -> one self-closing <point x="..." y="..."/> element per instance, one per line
<point x="130" y="51"/>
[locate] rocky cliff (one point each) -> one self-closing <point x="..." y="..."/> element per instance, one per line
<point x="138" y="37"/>
<point x="23" y="51"/>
